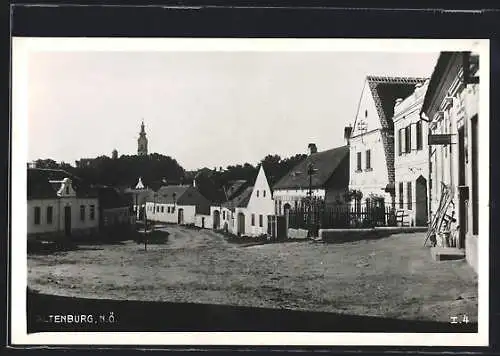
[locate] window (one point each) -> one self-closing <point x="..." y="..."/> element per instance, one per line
<point x="92" y="212"/>
<point x="37" y="215"/>
<point x="264" y="193"/>
<point x="359" y="162"/>
<point x="168" y="209"/>
<point x="366" y="113"/>
<point x="82" y="212"/>
<point x="368" y="159"/>
<point x="400" y="142"/>
<point x="162" y="209"/>
<point x="261" y="220"/>
<point x="419" y="136"/>
<point x="223" y="215"/>
<point x="49" y="214"/>
<point x="409" y="194"/>
<point x="408" y="139"/>
<point x="157" y="208"/>
<point x="401" y="203"/>
<point x="253" y="219"/>
<point x="67" y="190"/>
<point x="257" y="193"/>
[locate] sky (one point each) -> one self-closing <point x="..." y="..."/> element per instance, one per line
<point x="205" y="109"/>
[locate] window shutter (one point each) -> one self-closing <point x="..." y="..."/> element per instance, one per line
<point x="403" y="140"/>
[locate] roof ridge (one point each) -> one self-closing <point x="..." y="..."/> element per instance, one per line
<point x="397" y="79"/>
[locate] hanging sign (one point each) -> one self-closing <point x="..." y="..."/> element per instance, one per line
<point x="440" y="139"/>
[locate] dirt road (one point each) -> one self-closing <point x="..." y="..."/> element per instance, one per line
<point x="392" y="277"/>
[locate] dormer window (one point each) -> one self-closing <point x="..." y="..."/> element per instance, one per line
<point x="67" y="190"/>
<point x="257" y="193"/>
<point x="366" y="113"/>
<point x="264" y="193"/>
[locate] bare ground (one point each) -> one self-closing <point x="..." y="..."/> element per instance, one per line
<point x="391" y="277"/>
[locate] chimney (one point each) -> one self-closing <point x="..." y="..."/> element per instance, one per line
<point x="347" y="133"/>
<point x="312" y="148"/>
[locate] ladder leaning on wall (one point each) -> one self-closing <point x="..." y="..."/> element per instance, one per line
<point x="441" y="216"/>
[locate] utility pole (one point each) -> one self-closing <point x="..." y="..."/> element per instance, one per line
<point x="310" y="171"/>
<point x="145" y="228"/>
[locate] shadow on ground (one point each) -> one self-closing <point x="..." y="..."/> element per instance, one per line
<point x="135" y="316"/>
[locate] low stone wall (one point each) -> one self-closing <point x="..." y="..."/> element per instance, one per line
<point x="471" y="254"/>
<point x="297" y="234"/>
<point x="346" y="235"/>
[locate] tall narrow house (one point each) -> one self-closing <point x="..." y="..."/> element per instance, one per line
<point x="451" y="108"/>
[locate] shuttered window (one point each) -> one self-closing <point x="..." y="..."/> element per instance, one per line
<point x="37" y="215"/>
<point x="400" y="142"/>
<point x="359" y="161"/>
<point x="50" y="212"/>
<point x="401" y="194"/>
<point x="368" y="159"/>
<point x="419" y="136"/>
<point x="408" y="139"/>
<point x="409" y="194"/>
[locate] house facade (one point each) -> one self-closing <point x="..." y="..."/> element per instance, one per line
<point x="327" y="182"/>
<point x="59" y="208"/>
<point x="371" y="140"/>
<point x="451" y="108"/>
<point x="248" y="212"/>
<point x="176" y="204"/>
<point x="411" y="159"/>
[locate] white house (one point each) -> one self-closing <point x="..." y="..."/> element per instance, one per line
<point x="60" y="205"/>
<point x="411" y="160"/>
<point x="178" y="204"/>
<point x="371" y="140"/>
<point x="451" y="107"/>
<point x="247" y="213"/>
<point x="329" y="181"/>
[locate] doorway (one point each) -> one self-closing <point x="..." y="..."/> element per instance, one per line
<point x="241" y="224"/>
<point x="216" y="219"/>
<point x="462" y="190"/>
<point x="67" y="221"/>
<point x="421" y="216"/>
<point x="180" y="216"/>
<point x="286" y="211"/>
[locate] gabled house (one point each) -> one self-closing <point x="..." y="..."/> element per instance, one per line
<point x="371" y="140"/>
<point x="177" y="204"/>
<point x="221" y="215"/>
<point x="411" y="159"/>
<point x="60" y="205"/>
<point x="247" y="213"/>
<point x="329" y="180"/>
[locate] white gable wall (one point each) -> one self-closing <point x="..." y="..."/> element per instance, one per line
<point x="375" y="179"/>
<point x="367" y="113"/>
<point x="261" y="203"/>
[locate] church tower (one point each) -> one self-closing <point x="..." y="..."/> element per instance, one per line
<point x="142" y="142"/>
